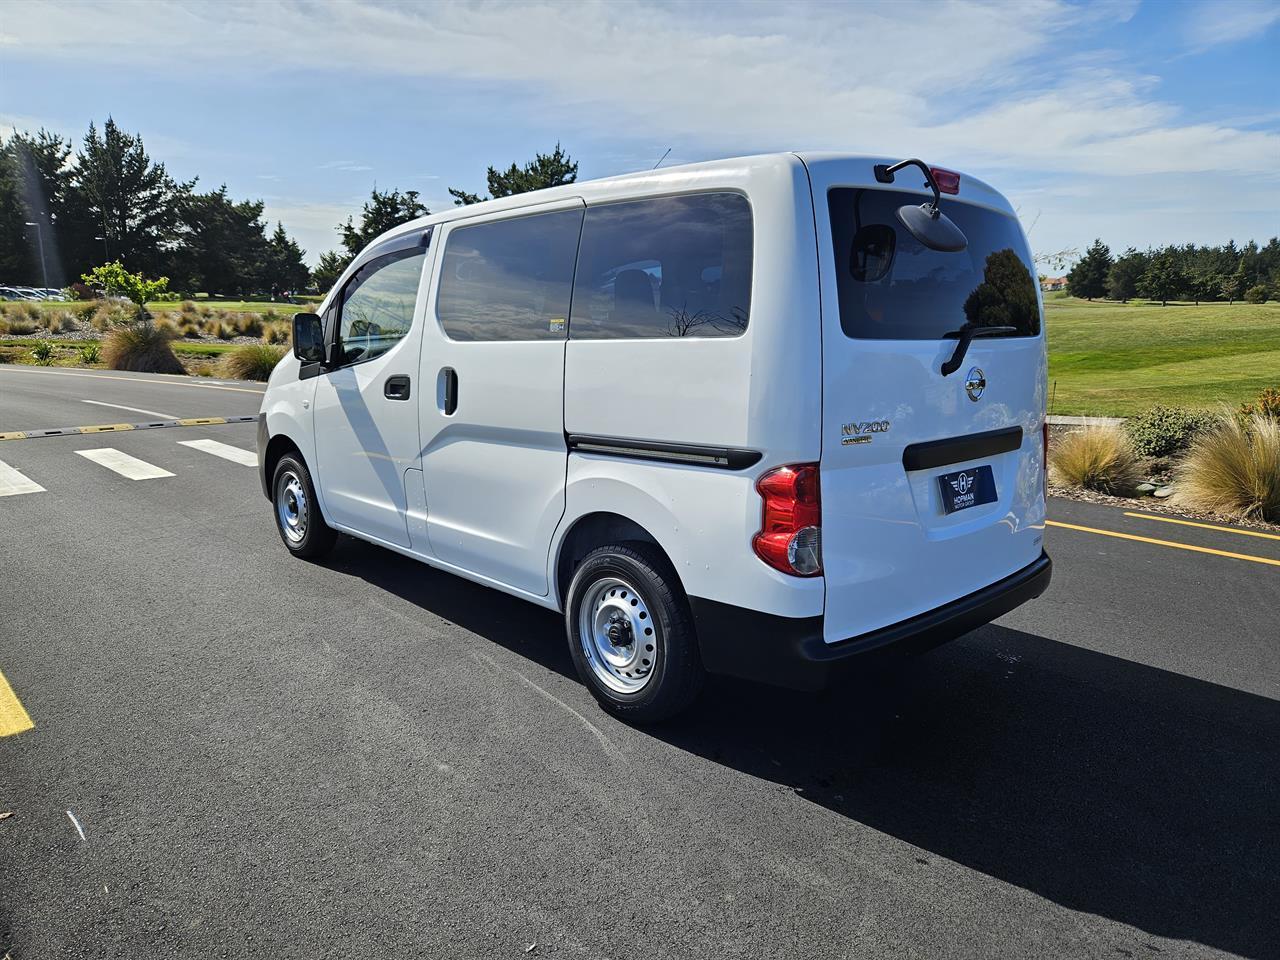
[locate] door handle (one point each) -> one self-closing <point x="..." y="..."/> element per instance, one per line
<point x="448" y="391"/>
<point x="396" y="387"/>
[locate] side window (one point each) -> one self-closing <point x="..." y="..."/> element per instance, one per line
<point x="665" y="267"/>
<point x="509" y="279"/>
<point x="376" y="306"/>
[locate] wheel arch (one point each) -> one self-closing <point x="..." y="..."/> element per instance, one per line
<point x="597" y="529"/>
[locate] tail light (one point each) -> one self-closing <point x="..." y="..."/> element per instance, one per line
<point x="790" y="537"/>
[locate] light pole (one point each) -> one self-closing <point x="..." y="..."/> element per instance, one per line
<point x="105" y="255"/>
<point x="40" y="237"/>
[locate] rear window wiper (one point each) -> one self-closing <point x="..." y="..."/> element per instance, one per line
<point x="966" y="334"/>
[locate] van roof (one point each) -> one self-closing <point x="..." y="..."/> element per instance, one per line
<point x="847" y="168"/>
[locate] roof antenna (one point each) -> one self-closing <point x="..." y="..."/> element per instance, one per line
<point x="661" y="158"/>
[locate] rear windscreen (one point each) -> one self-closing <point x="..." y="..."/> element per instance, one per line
<point x="892" y="287"/>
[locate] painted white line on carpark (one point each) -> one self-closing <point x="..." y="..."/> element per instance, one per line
<point x="13" y="483"/>
<point x="121" y="406"/>
<point x="224" y="450"/>
<point x="123" y="464"/>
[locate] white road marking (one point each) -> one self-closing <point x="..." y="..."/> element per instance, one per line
<point x="224" y="450"/>
<point x="123" y="464"/>
<point x="121" y="406"/>
<point x="13" y="483"/>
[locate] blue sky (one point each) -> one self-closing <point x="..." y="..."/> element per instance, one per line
<point x="1141" y="122"/>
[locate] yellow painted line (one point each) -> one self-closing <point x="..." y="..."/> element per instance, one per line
<point x="107" y="428"/>
<point x="1164" y="543"/>
<point x="13" y="718"/>
<point x="195" y="381"/>
<point x="14" y="435"/>
<point x="1205" y="526"/>
<point x="201" y="421"/>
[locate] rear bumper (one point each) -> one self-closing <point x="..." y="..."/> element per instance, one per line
<point x="791" y="652"/>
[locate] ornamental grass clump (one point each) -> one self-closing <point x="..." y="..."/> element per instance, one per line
<point x="1098" y="457"/>
<point x="140" y="346"/>
<point x="252" y="361"/>
<point x="1233" y="468"/>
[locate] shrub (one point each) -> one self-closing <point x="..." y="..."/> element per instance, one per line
<point x="90" y="353"/>
<point x="252" y="361"/>
<point x="168" y="326"/>
<point x="216" y="328"/>
<point x="1267" y="405"/>
<point x="141" y="347"/>
<point x="111" y="313"/>
<point x="1098" y="457"/>
<point x="1256" y="294"/>
<point x="188" y="306"/>
<point x="1234" y="469"/>
<point x="248" y="324"/>
<point x="190" y="330"/>
<point x="1164" y="431"/>
<point x="278" y="333"/>
<point x="22" y="327"/>
<point x="42" y="353"/>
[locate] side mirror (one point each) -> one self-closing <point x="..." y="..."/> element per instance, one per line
<point x="308" y="338"/>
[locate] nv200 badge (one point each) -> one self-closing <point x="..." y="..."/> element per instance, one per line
<point x="862" y="431"/>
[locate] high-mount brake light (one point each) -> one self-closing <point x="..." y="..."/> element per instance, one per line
<point x="790" y="537"/>
<point x="948" y="181"/>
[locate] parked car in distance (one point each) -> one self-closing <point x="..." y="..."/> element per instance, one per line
<point x="761" y="417"/>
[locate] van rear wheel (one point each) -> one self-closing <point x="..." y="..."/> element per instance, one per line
<point x="631" y="634"/>
<point x="297" y="511"/>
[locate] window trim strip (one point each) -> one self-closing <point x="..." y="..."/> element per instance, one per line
<point x="697" y="454"/>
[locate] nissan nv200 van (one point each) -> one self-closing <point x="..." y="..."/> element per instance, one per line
<point x="756" y="417"/>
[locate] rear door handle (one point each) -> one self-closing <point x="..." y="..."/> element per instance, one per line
<point x="396" y="387"/>
<point x="448" y="391"/>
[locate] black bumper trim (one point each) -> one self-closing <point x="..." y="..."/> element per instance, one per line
<point x="790" y="652"/>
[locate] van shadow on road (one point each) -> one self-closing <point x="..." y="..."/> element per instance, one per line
<point x="1103" y="785"/>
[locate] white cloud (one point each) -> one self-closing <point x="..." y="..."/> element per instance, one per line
<point x="1025" y="94"/>
<point x="348" y="166"/>
<point x="1214" y="22"/>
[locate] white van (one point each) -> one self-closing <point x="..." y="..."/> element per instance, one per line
<point x="755" y="417"/>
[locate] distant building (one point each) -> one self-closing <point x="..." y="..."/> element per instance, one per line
<point x="1049" y="284"/>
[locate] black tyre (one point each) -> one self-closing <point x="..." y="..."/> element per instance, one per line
<point x="297" y="511"/>
<point x="631" y="633"/>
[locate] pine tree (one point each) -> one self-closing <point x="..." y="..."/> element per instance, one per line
<point x="285" y="269"/>
<point x="128" y="196"/>
<point x="1123" y="277"/>
<point x="552" y="169"/>
<point x="1088" y="278"/>
<point x="1163" y="279"/>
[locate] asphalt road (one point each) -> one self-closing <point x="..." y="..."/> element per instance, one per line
<point x="367" y="758"/>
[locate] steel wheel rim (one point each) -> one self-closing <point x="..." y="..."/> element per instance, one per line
<point x="291" y="506"/>
<point x="619" y="638"/>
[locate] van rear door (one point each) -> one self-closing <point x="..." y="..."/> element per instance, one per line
<point x="932" y="485"/>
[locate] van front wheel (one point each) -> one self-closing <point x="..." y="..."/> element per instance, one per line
<point x="298" y="518"/>
<point x="631" y="634"/>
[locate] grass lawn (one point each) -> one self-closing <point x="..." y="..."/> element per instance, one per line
<point x="1115" y="359"/>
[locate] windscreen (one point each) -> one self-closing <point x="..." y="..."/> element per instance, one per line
<point x="892" y="287"/>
